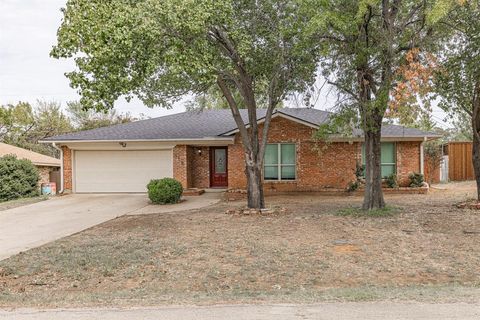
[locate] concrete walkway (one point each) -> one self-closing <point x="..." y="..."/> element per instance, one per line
<point x="36" y="224"/>
<point x="340" y="311"/>
<point x="188" y="203"/>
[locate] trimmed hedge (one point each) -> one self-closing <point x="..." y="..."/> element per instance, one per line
<point x="18" y="178"/>
<point x="164" y="191"/>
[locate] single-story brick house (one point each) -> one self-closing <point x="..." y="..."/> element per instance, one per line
<point x="46" y="165"/>
<point x="203" y="150"/>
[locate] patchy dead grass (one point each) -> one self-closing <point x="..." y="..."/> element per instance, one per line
<point x="307" y="253"/>
<point x="359" y="212"/>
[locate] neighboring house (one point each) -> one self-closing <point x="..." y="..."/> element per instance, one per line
<point x="203" y="150"/>
<point x="47" y="166"/>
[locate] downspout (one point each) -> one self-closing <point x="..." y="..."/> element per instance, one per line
<point x="61" y="166"/>
<point x="422" y="157"/>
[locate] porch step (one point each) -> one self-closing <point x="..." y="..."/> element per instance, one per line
<point x="193" y="192"/>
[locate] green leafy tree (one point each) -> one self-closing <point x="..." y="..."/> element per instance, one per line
<point x="15" y="120"/>
<point x="462" y="127"/>
<point x="24" y="126"/>
<point x="160" y="51"/>
<point x="458" y="81"/>
<point x="365" y="43"/>
<point x="86" y="119"/>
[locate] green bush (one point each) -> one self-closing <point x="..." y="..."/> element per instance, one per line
<point x="416" y="179"/>
<point x="353" y="185"/>
<point x="164" y="191"/>
<point x="391" y="181"/>
<point x="18" y="178"/>
<point x="360" y="171"/>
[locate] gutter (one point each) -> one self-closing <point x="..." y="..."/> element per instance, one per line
<point x="61" y="166"/>
<point x="422" y="156"/>
<point x="202" y="140"/>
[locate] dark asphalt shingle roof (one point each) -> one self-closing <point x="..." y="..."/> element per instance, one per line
<point x="208" y="124"/>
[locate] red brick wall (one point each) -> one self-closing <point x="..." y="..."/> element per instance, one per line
<point x="181" y="165"/>
<point x="319" y="165"/>
<point x="408" y="160"/>
<point x="190" y="167"/>
<point x="236" y="165"/>
<point x="44" y="173"/>
<point x="199" y="167"/>
<point x="67" y="169"/>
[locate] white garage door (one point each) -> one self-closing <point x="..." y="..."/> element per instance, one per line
<point x="120" y="171"/>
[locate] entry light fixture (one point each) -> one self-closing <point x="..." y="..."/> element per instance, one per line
<point x="199" y="151"/>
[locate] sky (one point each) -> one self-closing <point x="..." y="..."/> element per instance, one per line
<point x="27" y="72"/>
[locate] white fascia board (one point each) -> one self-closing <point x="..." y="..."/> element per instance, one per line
<point x="334" y="138"/>
<point x="213" y="140"/>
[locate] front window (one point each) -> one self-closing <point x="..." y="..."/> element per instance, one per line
<point x="387" y="158"/>
<point x="280" y="162"/>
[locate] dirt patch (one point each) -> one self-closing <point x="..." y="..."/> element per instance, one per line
<point x="306" y="253"/>
<point x="347" y="248"/>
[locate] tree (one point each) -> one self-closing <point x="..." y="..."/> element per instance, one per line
<point x="15" y="120"/>
<point x="433" y="157"/>
<point x="24" y="126"/>
<point x="212" y="99"/>
<point x="86" y="119"/>
<point x="365" y="42"/>
<point x="462" y="127"/>
<point x="458" y="80"/>
<point x="160" y="51"/>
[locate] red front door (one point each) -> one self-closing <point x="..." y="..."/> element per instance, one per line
<point x="218" y="167"/>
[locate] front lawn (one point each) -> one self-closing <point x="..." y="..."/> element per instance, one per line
<point x="425" y="249"/>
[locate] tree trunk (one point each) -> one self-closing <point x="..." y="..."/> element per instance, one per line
<point x="373" y="197"/>
<point x="476" y="162"/>
<point x="255" y="197"/>
<point x="476" y="136"/>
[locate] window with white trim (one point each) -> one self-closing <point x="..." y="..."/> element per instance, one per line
<point x="387" y="157"/>
<point x="280" y="161"/>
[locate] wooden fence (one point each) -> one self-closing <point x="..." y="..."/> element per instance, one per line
<point x="460" y="165"/>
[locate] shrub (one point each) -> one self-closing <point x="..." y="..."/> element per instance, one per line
<point x="353" y="185"/>
<point x="359" y="171"/>
<point x="18" y="178"/>
<point x="164" y="191"/>
<point x="416" y="179"/>
<point x="433" y="157"/>
<point x="392" y="181"/>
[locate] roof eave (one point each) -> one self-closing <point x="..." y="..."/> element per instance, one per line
<point x="45" y="164"/>
<point x="337" y="138"/>
<point x="203" y="140"/>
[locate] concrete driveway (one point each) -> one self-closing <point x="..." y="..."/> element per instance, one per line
<point x="39" y="223"/>
<point x="33" y="225"/>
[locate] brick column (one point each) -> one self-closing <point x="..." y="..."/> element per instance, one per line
<point x="67" y="169"/>
<point x="181" y="165"/>
<point x="408" y="160"/>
